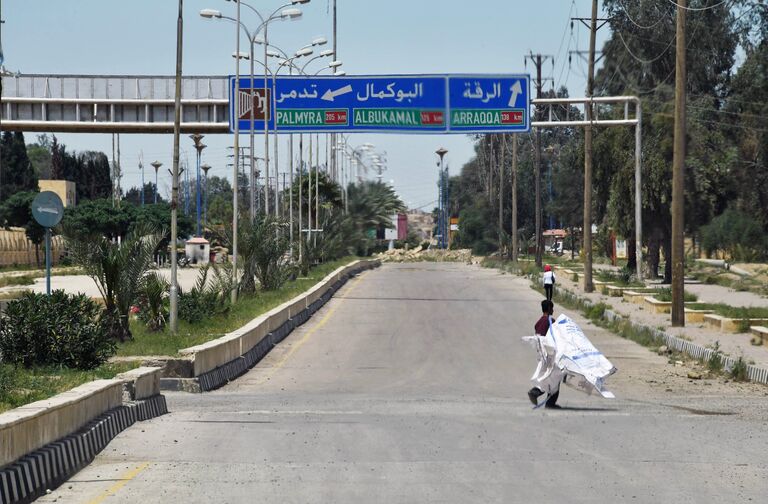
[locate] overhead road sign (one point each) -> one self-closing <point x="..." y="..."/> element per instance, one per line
<point x="489" y="103"/>
<point x="394" y="103"/>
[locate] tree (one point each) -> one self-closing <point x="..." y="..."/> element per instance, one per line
<point x="101" y="217"/>
<point x="17" y="174"/>
<point x="117" y="269"/>
<point x="90" y="171"/>
<point x="40" y="156"/>
<point x="134" y="194"/>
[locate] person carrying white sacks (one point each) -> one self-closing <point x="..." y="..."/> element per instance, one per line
<point x="565" y="355"/>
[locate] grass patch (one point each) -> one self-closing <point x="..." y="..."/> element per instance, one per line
<point x="665" y="295"/>
<point x="520" y="268"/>
<point x="621" y="278"/>
<point x="734" y="312"/>
<point x="8" y="280"/>
<point x="146" y="342"/>
<point x="20" y="386"/>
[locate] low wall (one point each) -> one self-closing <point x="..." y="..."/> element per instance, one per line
<point x="222" y="359"/>
<point x="25" y="429"/>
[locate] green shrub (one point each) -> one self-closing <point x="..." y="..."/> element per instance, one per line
<point x="715" y="361"/>
<point x="153" y="309"/>
<point x="7" y="379"/>
<point x="596" y="311"/>
<point x="206" y="298"/>
<point x="60" y="329"/>
<point x="739" y="370"/>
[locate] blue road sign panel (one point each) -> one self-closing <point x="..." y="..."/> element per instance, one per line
<point x="396" y="103"/>
<point x="488" y="103"/>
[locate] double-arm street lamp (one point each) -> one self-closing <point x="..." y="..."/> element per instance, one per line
<point x="281" y="13"/>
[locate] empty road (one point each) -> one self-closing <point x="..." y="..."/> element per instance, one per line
<point x="410" y="386"/>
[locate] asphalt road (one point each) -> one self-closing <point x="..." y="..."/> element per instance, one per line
<point x="409" y="386"/>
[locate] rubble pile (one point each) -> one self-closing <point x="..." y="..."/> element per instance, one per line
<point x="419" y="254"/>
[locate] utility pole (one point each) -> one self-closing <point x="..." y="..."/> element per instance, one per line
<point x="501" y="193"/>
<point x="514" y="197"/>
<point x="678" y="175"/>
<point x="174" y="289"/>
<point x="119" y="174"/>
<point x="538" y="59"/>
<point x="587" y="225"/>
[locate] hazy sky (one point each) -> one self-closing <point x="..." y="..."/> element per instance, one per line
<point x="374" y="37"/>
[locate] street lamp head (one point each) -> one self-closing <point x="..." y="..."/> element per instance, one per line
<point x="258" y="40"/>
<point x="441" y="152"/>
<point x="241" y="55"/>
<point x="210" y="13"/>
<point x="334" y="64"/>
<point x="205" y="167"/>
<point x="196" y="137"/>
<point x="272" y="53"/>
<point x="327" y="52"/>
<point x="340" y="73"/>
<point x="304" y="51"/>
<point x="319" y="41"/>
<point x="156" y="165"/>
<point x="290" y="14"/>
<point x="299" y="2"/>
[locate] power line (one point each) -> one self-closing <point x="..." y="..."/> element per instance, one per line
<point x="649" y="27"/>
<point x="698" y="9"/>
<point x="639" y="59"/>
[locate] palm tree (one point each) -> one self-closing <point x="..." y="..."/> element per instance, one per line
<point x="117" y="269"/>
<point x="371" y="205"/>
<point x="262" y="245"/>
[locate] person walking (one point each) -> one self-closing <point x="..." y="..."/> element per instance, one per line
<point x="549" y="281"/>
<point x="551" y="375"/>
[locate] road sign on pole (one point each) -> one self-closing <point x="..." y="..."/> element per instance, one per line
<point x="47" y="209"/>
<point x="386" y="103"/>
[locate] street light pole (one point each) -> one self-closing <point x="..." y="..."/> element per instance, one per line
<point x="441" y="217"/>
<point x="236" y="159"/>
<point x="205" y="169"/>
<point x="199" y="146"/>
<point x="156" y="165"/>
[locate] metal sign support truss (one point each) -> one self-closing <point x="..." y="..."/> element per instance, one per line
<point x="630" y="104"/>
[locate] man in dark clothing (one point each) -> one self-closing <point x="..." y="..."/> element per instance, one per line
<point x="541" y="328"/>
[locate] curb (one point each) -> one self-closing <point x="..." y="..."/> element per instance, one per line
<point x="53" y="464"/>
<point x="226" y="373"/>
<point x="754" y="373"/>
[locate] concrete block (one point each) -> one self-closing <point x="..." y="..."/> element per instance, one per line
<point x="25" y="429"/>
<point x="713" y="321"/>
<point x="142" y="382"/>
<point x="656" y="306"/>
<point x="635" y="297"/>
<point x="696" y="316"/>
<point x="253" y="332"/>
<point x="760" y="332"/>
<point x="213" y="354"/>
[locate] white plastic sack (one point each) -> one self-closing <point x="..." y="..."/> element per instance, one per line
<point x="565" y="350"/>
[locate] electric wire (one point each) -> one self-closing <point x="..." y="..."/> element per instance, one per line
<point x="642" y="27"/>
<point x="699" y="9"/>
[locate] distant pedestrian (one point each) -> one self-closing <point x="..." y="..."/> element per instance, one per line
<point x="549" y="281"/>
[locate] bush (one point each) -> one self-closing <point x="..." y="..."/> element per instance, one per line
<point x="739" y="370"/>
<point x="153" y="309"/>
<point x="715" y="361"/>
<point x="206" y="298"/>
<point x="59" y="329"/>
